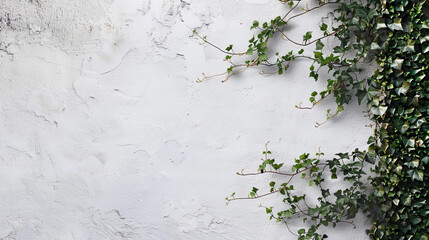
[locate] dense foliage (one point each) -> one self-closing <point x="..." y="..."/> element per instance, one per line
<point x="402" y="139"/>
<point x="395" y="34"/>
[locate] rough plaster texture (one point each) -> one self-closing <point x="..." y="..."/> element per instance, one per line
<point x="105" y="133"/>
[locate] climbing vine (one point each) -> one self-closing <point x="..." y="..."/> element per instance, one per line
<point x="394" y="34"/>
<point x="402" y="137"/>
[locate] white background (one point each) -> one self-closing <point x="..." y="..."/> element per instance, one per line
<point x="105" y="133"/>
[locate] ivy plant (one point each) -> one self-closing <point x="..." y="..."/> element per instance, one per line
<point x="396" y="35"/>
<point x="402" y="137"/>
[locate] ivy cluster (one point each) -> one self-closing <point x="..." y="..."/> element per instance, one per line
<point x="402" y="138"/>
<point x="332" y="208"/>
<point x="395" y="34"/>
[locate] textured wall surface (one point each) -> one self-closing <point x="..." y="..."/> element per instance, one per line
<point x="105" y="133"/>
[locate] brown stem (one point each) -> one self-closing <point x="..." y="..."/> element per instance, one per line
<point x="206" y="77"/>
<point x="278" y="190"/>
<point x="332" y="116"/>
<point x="218" y="48"/>
<point x="314" y="104"/>
<point x="265" y="194"/>
<point x="290" y="10"/>
<point x="308" y="10"/>
<point x="309" y="43"/>
<point x="280" y="173"/>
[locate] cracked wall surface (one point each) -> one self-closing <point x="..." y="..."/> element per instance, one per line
<point x="105" y="133"/>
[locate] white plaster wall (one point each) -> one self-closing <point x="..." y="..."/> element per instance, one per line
<point x="105" y="133"/>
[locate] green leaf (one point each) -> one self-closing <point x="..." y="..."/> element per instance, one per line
<point x="262" y="57"/>
<point x="397" y="64"/>
<point x="416" y="174"/>
<point x="379" y="110"/>
<point x="380" y="23"/>
<point x="374" y="46"/>
<point x="395" y="201"/>
<point x="405" y="127"/>
<point x="414" y="163"/>
<point x="370" y="157"/>
<point x="367" y="95"/>
<point x="415" y="219"/>
<point x="317" y="54"/>
<point x="319" y="45"/>
<point x="255" y="24"/>
<point x="277" y="166"/>
<point x="410" y="142"/>
<point x="372" y="13"/>
<point x="306" y="37"/>
<point x="425" y="160"/>
<point x="405" y="87"/>
<point x="396" y="25"/>
<point x="323" y="27"/>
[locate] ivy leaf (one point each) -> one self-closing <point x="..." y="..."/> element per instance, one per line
<point x="372" y="13"/>
<point x="405" y="87"/>
<point x="409" y="47"/>
<point x="414" y="163"/>
<point x="415" y="174"/>
<point x="318" y="54"/>
<point x="395" y="201"/>
<point x="415" y="219"/>
<point x="397" y="64"/>
<point x="425" y="160"/>
<point x="277" y="166"/>
<point x="366" y="95"/>
<point x="380" y="23"/>
<point x="306" y="37"/>
<point x="374" y="46"/>
<point x="405" y="127"/>
<point x="379" y="110"/>
<point x="396" y="25"/>
<point x="370" y="156"/>
<point x="254" y="25"/>
<point x="319" y="45"/>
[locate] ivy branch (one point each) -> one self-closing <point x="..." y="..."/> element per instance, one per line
<point x="329" y="210"/>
